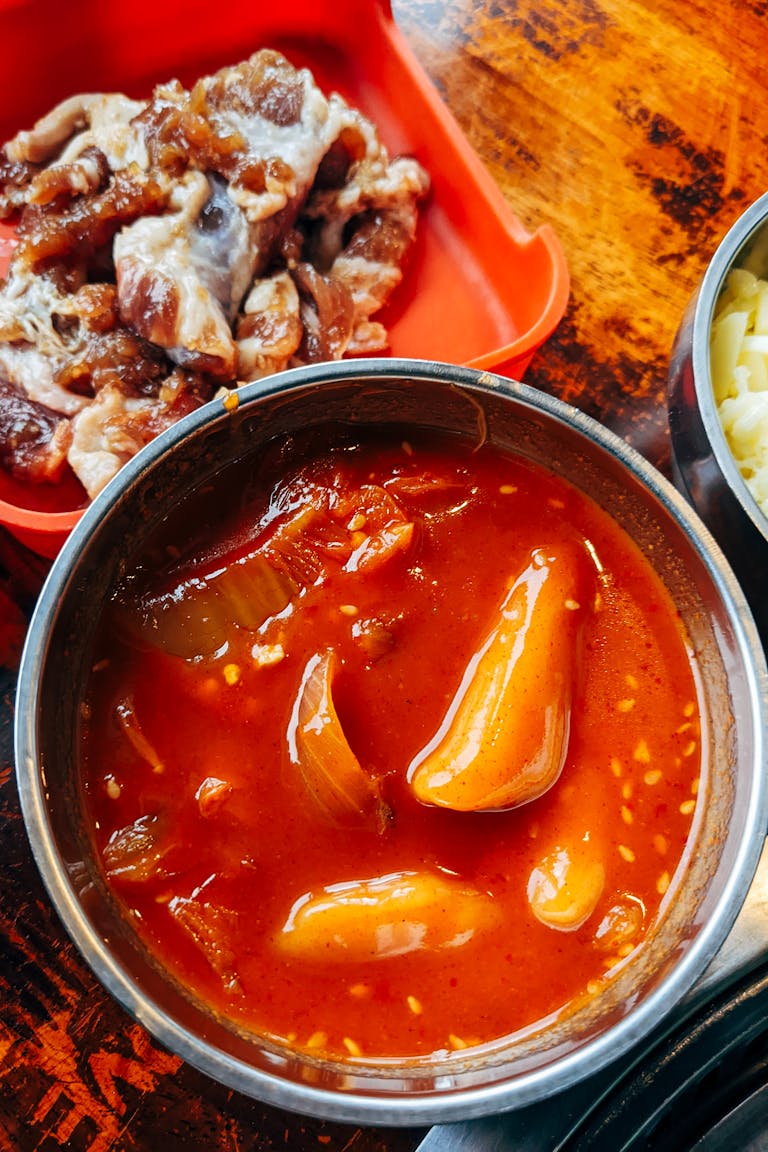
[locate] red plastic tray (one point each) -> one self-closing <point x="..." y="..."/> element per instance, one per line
<point x="480" y="289"/>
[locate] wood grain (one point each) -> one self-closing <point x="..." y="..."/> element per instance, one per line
<point x="639" y="130"/>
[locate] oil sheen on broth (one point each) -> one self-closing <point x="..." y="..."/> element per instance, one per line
<point x="391" y="746"/>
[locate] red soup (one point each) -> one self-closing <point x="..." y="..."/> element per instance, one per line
<point x="391" y="746"/>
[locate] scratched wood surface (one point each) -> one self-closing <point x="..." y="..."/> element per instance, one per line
<point x="639" y="130"/>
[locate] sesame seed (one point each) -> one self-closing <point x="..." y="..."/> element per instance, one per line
<point x="351" y="1046"/>
<point x="231" y="674"/>
<point x="615" y="766"/>
<point x="611" y="962"/>
<point x="407" y="448"/>
<point x="508" y="489"/>
<point x="572" y="605"/>
<point x="555" y="503"/>
<point x="631" y="681"/>
<point x="113" y="788"/>
<point x="626" y="815"/>
<point x="683" y="728"/>
<point x="689" y="749"/>
<point x="163" y="898"/>
<point x="360" y="991"/>
<point x="100" y="665"/>
<point x="317" y="1040"/>
<point x="85" y="710"/>
<point x="626" y="705"/>
<point x="687" y="807"/>
<point x="641" y="752"/>
<point x="626" y="853"/>
<point x="357" y="522"/>
<point x="456" y="1042"/>
<point x="626" y="949"/>
<point x="593" y="987"/>
<point x="533" y="830"/>
<point x="660" y="844"/>
<point x="695" y="786"/>
<point x="662" y="884"/>
<point x="626" y="790"/>
<point x="415" y="1005"/>
<point x="348" y="609"/>
<point x="652" y="777"/>
<point x="689" y="709"/>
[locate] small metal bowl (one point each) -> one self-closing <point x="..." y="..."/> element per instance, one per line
<point x="703" y="465"/>
<point x="729" y="825"/>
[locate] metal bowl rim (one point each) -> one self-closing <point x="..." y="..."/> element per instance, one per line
<point x="727" y="252"/>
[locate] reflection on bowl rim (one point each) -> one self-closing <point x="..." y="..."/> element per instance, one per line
<point x="440" y="1103"/>
<point x="729" y="250"/>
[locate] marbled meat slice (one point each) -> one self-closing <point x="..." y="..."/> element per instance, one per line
<point x="270" y="328"/>
<point x="115" y="426"/>
<point x="164" y="287"/>
<point x="33" y="439"/>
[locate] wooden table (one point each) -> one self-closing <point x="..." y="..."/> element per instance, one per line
<point x="638" y="130"/>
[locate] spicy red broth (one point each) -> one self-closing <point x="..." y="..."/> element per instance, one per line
<point x="397" y="756"/>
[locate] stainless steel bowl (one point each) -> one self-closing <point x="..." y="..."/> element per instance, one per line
<point x="729" y="826"/>
<point x="703" y="465"/>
